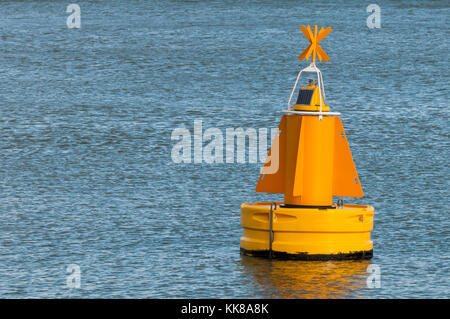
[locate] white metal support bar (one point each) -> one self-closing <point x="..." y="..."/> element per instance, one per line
<point x="293" y="90"/>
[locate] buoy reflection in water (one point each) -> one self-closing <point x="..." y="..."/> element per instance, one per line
<point x="308" y="279"/>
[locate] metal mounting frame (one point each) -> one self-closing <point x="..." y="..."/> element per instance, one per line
<point x="312" y="68"/>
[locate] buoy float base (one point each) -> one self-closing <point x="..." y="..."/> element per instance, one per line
<point x="326" y="233"/>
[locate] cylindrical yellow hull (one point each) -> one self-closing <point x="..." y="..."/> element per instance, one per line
<point x="307" y="233"/>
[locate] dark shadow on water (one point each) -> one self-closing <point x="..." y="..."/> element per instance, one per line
<point x="307" y="279"/>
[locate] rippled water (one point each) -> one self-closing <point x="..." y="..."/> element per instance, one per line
<point x="86" y="117"/>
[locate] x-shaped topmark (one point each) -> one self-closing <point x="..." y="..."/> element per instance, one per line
<point x="314" y="47"/>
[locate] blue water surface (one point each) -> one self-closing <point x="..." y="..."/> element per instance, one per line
<point x="86" y="117"/>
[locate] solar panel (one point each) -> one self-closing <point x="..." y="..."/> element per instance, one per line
<point x="304" y="97"/>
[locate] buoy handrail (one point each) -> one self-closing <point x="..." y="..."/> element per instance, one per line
<point x="273" y="206"/>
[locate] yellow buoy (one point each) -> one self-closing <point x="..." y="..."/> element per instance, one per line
<point x="309" y="162"/>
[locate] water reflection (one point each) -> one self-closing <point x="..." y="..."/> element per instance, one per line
<point x="308" y="279"/>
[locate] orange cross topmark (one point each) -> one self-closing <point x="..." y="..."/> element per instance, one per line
<point x="314" y="47"/>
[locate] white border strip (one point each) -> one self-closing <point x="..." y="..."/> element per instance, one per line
<point x="312" y="113"/>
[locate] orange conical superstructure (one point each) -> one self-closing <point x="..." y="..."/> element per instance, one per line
<point x="315" y="162"/>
